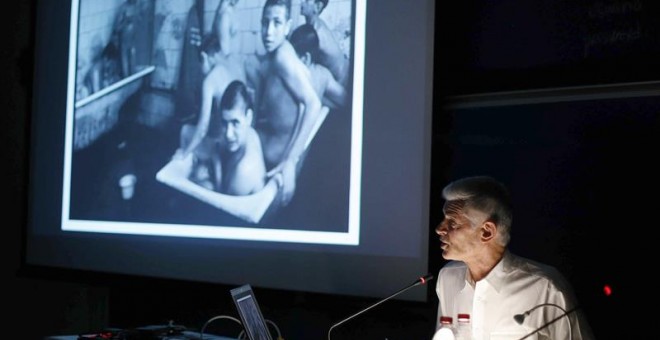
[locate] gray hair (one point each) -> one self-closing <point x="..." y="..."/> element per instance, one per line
<point x="486" y="195"/>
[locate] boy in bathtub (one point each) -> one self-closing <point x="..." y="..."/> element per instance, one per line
<point x="240" y="158"/>
<point x="236" y="163"/>
<point x="217" y="76"/>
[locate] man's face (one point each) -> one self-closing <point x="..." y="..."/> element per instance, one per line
<point x="275" y="27"/>
<point x="235" y="125"/>
<point x="458" y="236"/>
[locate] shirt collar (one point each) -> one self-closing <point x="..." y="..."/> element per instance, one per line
<point x="498" y="275"/>
<point x="468" y="278"/>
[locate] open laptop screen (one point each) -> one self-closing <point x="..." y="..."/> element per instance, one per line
<point x="250" y="313"/>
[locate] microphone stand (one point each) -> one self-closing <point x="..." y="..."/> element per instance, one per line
<point x="422" y="280"/>
<point x="552" y="321"/>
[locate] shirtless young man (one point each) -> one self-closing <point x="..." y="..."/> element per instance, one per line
<point x="306" y="43"/>
<point x="288" y="106"/>
<point x="224" y="25"/>
<point x="216" y="78"/>
<point x="331" y="54"/>
<point x="239" y="163"/>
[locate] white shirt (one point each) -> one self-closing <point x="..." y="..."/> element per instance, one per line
<point x="514" y="286"/>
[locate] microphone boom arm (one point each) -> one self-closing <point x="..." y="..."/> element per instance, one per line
<point x="422" y="280"/>
<point x="553" y="321"/>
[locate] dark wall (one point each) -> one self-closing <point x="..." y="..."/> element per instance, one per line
<point x="36" y="307"/>
<point x="578" y="171"/>
<point x="582" y="173"/>
<point x="559" y="100"/>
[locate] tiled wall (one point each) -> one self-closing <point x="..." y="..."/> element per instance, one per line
<point x="95" y="26"/>
<point x="170" y="25"/>
<point x="339" y="23"/>
<point x="96" y="21"/>
<point x="94" y="31"/>
<point x="97" y="16"/>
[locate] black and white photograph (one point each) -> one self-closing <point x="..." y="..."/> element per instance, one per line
<point x="236" y="119"/>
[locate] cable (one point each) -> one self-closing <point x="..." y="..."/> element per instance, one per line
<point x="201" y="332"/>
<point x="279" y="335"/>
<point x="242" y="334"/>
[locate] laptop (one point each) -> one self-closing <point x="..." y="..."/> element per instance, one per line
<point x="248" y="309"/>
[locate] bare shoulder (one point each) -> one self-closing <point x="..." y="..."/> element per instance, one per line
<point x="285" y="57"/>
<point x="254" y="142"/>
<point x="252" y="167"/>
<point x="322" y="72"/>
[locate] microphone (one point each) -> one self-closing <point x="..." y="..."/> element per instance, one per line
<point x="420" y="281"/>
<point x="520" y="318"/>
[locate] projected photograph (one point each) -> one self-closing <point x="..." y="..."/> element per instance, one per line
<point x="227" y="119"/>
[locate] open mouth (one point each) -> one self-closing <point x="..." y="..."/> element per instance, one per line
<point x="444" y="244"/>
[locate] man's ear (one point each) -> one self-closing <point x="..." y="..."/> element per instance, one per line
<point x="319" y="6"/>
<point x="249" y="115"/>
<point x="306" y="58"/>
<point x="288" y="27"/>
<point x="488" y="231"/>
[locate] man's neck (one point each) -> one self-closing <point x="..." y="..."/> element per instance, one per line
<point x="232" y="158"/>
<point x="482" y="265"/>
<point x="274" y="52"/>
<point x="312" y="20"/>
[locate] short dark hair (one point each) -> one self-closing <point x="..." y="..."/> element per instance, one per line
<point x="285" y="3"/>
<point x="305" y="40"/>
<point x="210" y="44"/>
<point x="324" y="2"/>
<point x="236" y="94"/>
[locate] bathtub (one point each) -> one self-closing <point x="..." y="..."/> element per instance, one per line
<point x="98" y="113"/>
<point x="250" y="208"/>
